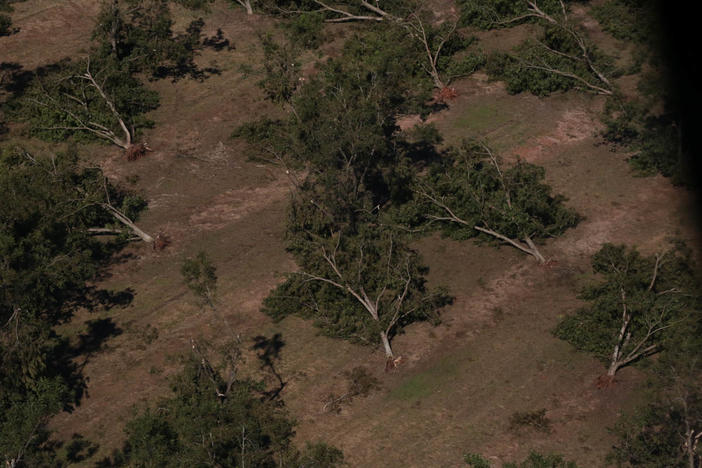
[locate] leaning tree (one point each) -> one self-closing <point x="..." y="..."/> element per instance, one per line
<point x="357" y="278"/>
<point x="470" y="193"/>
<point x="88" y="100"/>
<point x="636" y="307"/>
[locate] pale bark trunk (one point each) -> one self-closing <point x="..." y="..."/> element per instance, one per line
<point x="613" y="368"/>
<point x="386" y="345"/>
<point x="119" y="216"/>
<point x="247" y="5"/>
<point x="534" y="251"/>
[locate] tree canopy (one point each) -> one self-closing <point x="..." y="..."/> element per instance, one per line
<point x="636" y="307"/>
<point x="48" y="254"/>
<point x="215" y="418"/>
<point x="469" y="193"/>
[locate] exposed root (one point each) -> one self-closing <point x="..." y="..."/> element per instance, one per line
<point x="137" y="151"/>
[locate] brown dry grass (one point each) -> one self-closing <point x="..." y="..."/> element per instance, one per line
<point x="459" y="382"/>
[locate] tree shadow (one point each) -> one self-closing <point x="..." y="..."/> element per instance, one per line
<point x="268" y="351"/>
<point x="14" y="79"/>
<point x="106" y="299"/>
<point x="93" y="340"/>
<point x="217" y="42"/>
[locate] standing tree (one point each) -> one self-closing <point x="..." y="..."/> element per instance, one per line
<point x="471" y="194"/>
<point x="201" y="277"/>
<point x="635" y="308"/>
<point x="215" y="418"/>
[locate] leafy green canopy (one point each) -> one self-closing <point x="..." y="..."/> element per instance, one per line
<point x="548" y="64"/>
<point x="63" y="102"/>
<point x="638" y="307"/>
<point x="215" y="419"/>
<point x="138" y="35"/>
<point x="469" y="187"/>
<point x="650" y="123"/>
<point x="660" y="434"/>
<point x="492" y="14"/>
<point x="339" y="270"/>
<point x="342" y="125"/>
<point x="46" y="257"/>
<point x="534" y="460"/>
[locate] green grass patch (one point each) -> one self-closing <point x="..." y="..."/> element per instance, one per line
<point x="477" y="119"/>
<point x="422" y="385"/>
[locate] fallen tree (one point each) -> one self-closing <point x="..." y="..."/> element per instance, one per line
<point x="471" y="194"/>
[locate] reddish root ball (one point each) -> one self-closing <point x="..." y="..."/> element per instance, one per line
<point x="161" y="242"/>
<point x="137" y="151"/>
<point x="446" y="94"/>
<point x="604" y="381"/>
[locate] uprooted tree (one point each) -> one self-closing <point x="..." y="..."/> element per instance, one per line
<point x="437" y="47"/>
<point x="357" y="280"/>
<point x="561" y="57"/>
<point x="635" y="308"/>
<point x="91" y="101"/>
<point x="470" y="193"/>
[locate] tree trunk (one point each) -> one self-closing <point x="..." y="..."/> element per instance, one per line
<point x="129" y="223"/>
<point x="534" y="251"/>
<point x="690" y="449"/>
<point x="386" y="345"/>
<point x="249" y="10"/>
<point x="613" y="368"/>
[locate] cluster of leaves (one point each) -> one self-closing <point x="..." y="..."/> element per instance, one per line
<point x="546" y="64"/>
<point x="469" y="188"/>
<point x="200" y="277"/>
<point x="649" y="124"/>
<point x="534" y="460"/>
<point x="47" y="258"/>
<point x="101" y="97"/>
<point x="656" y="435"/>
<point x="655" y="138"/>
<point x="216" y="419"/>
<point x="629" y="20"/>
<point x="638" y="307"/>
<point x="306" y="29"/>
<point x="492" y="14"/>
<point x="138" y="36"/>
<point x="668" y="429"/>
<point x="62" y="102"/>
